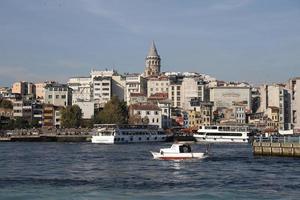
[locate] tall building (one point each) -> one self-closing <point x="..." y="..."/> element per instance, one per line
<point x="152" y="62"/>
<point x="191" y="87"/>
<point x="134" y="83"/>
<point x="82" y="95"/>
<point x="294" y="86"/>
<point x="277" y="96"/>
<point x="23" y="88"/>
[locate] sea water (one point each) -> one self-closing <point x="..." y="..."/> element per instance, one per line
<point x="95" y="171"/>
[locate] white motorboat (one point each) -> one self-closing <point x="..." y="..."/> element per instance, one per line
<point x="177" y="152"/>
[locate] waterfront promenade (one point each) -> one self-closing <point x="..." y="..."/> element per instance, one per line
<point x="277" y="146"/>
<point x="45" y="135"/>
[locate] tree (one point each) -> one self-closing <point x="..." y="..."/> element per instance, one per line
<point x="20" y="122"/>
<point x="5" y="104"/>
<point x="71" y="116"/>
<point x="114" y="112"/>
<point x="135" y="119"/>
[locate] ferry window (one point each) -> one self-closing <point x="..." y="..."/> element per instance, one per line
<point x="131" y="139"/>
<point x="122" y="139"/>
<point x="147" y="138"/>
<point x="155" y="138"/>
<point x="140" y="138"/>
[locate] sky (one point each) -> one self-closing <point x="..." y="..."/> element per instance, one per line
<point x="234" y="40"/>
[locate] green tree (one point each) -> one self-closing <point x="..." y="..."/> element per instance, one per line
<point x="5" y="104"/>
<point x="20" y="122"/>
<point x="71" y="116"/>
<point x="114" y="112"/>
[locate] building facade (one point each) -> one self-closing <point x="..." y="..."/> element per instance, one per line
<point x="158" y="85"/>
<point x="58" y="94"/>
<point x="135" y="83"/>
<point x="294" y="86"/>
<point x="225" y="97"/>
<point x="149" y="113"/>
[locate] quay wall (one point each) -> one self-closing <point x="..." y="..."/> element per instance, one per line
<point x="48" y="138"/>
<point x="276" y="149"/>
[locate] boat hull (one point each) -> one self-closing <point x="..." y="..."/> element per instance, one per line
<point x="124" y="139"/>
<point x="221" y="139"/>
<point x="177" y="156"/>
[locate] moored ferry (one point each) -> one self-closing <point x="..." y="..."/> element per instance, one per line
<point x="223" y="134"/>
<point x="118" y="134"/>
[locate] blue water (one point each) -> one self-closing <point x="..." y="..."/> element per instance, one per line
<point x="92" y="171"/>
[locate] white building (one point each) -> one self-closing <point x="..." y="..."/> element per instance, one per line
<point x="277" y="96"/>
<point x="225" y="97"/>
<point x="191" y="87"/>
<point x="135" y="83"/>
<point x="81" y="89"/>
<point x="101" y="90"/>
<point x="294" y="86"/>
<point x="158" y="85"/>
<point x="58" y="94"/>
<point x="150" y="111"/>
<point x="22" y="109"/>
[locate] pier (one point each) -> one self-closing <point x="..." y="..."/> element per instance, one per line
<point x="277" y="146"/>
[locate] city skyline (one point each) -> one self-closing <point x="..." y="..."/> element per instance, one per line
<point x="240" y="40"/>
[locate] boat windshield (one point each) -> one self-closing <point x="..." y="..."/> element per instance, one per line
<point x="185" y="149"/>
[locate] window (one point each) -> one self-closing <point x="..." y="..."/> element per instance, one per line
<point x="156" y="113"/>
<point x="148" y="113"/>
<point x="56" y="96"/>
<point x="49" y="96"/>
<point x="63" y="96"/>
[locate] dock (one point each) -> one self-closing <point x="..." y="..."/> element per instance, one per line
<point x="277" y="146"/>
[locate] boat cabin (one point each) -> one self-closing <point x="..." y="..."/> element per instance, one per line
<point x="177" y="148"/>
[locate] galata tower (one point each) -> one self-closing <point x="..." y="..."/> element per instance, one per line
<point x="152" y="62"/>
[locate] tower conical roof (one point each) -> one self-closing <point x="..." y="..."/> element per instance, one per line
<point x="153" y="51"/>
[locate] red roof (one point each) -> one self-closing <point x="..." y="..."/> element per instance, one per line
<point x="144" y="107"/>
<point x="137" y="95"/>
<point x="158" y="96"/>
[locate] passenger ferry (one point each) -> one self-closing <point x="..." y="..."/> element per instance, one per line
<point x="223" y="134"/>
<point x="118" y="134"/>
